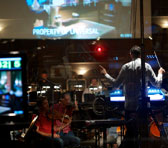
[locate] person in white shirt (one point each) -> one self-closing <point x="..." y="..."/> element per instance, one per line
<point x="130" y="77"/>
<point x="94" y="88"/>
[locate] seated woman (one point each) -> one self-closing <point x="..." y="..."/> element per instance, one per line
<point x="43" y="124"/>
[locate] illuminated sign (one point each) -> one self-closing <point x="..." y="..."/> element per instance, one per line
<point x="10" y="63"/>
<point x="64" y="31"/>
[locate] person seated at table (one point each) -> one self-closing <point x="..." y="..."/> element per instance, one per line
<point x="93" y="88"/>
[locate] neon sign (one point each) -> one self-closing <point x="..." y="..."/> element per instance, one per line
<point x="10" y="63"/>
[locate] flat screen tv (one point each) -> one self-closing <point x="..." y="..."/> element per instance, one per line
<point x="13" y="86"/>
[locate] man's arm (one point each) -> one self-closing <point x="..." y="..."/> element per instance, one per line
<point x="156" y="81"/>
<point x="115" y="82"/>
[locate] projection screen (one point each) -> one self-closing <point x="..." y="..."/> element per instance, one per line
<point x="66" y="19"/>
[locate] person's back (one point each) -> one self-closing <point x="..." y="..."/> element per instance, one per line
<point x="130" y="77"/>
<point x="132" y="84"/>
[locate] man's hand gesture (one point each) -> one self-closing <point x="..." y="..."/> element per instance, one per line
<point x="161" y="71"/>
<point x="102" y="70"/>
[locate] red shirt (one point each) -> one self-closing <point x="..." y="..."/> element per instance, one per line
<point x="44" y="124"/>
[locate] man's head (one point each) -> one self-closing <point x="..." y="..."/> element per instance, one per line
<point x="66" y="98"/>
<point x="94" y="82"/>
<point x="135" y="52"/>
<point x="42" y="103"/>
<point x="44" y="75"/>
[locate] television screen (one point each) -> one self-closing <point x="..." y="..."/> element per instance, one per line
<point x="66" y="19"/>
<point x="12" y="90"/>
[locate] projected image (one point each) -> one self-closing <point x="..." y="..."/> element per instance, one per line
<point x="81" y="19"/>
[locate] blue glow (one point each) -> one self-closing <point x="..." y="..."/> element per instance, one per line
<point x="127" y="35"/>
<point x="114" y="65"/>
<point x="7" y="97"/>
<point x="151" y="56"/>
<point x="42" y="1"/>
<point x="156" y="97"/>
<point x="12" y="63"/>
<point x="115" y="58"/>
<point x="154" y="91"/>
<point x="122" y="35"/>
<point x="30" y="2"/>
<point x="18" y="112"/>
<point x="116" y="93"/>
<point x="153" y="63"/>
<point x="11" y="59"/>
<point x="117" y="99"/>
<point x="155" y="94"/>
<point x="44" y="31"/>
<point x="111" y="7"/>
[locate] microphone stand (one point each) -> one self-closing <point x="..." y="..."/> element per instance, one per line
<point x="52" y="109"/>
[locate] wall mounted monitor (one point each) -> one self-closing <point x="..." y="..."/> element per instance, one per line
<point x="12" y="85"/>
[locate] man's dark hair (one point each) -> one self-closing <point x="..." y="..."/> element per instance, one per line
<point x="44" y="72"/>
<point x="93" y="78"/>
<point x="40" y="101"/>
<point x="65" y="93"/>
<point x="135" y="51"/>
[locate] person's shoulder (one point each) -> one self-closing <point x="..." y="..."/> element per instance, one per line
<point x="41" y="117"/>
<point x="57" y="105"/>
<point x="34" y="115"/>
<point x="126" y="65"/>
<point x="148" y="66"/>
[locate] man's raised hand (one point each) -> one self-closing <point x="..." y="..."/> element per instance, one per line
<point x="102" y="70"/>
